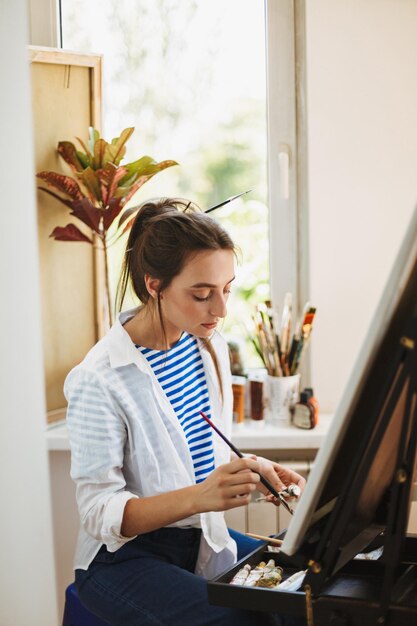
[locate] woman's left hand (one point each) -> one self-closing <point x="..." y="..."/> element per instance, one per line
<point x="280" y="477"/>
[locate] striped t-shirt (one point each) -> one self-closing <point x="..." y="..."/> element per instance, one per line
<point x="180" y="372"/>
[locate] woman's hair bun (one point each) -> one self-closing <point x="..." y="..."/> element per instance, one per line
<point x="156" y="207"/>
<point x="163" y="233"/>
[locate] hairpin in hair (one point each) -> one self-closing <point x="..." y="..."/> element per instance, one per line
<point x="226" y="201"/>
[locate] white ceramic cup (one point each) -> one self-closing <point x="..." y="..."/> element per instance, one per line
<point x="282" y="392"/>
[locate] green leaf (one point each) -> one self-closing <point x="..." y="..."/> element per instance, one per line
<point x="117" y="149"/>
<point x="70" y="232"/>
<point x="99" y="151"/>
<point x="83" y="159"/>
<point x="145" y="166"/>
<point x="64" y="184"/>
<point x="133" y="169"/>
<point x="127" y="192"/>
<point x="90" y="180"/>
<point x="88" y="156"/>
<point x="93" y="136"/>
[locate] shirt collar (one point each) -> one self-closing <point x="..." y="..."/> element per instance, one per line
<point x="121" y="349"/>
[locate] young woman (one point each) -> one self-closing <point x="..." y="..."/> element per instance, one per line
<point x="152" y="478"/>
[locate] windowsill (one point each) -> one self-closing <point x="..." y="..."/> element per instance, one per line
<point x="267" y="437"/>
<point x="245" y="436"/>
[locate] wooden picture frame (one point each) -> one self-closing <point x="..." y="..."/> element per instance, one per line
<point x="66" y="100"/>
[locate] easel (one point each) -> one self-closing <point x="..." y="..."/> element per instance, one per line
<point x="397" y="402"/>
<point x="358" y="494"/>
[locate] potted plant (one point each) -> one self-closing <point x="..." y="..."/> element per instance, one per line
<point x="98" y="191"/>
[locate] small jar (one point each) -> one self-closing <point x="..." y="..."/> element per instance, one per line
<point x="256" y="399"/>
<point x="238" y="387"/>
<point x="313" y="400"/>
<point x="304" y="412"/>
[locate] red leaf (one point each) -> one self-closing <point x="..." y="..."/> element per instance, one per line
<point x="127" y="227"/>
<point x="69" y="233"/>
<point x="64" y="184"/>
<point x="113" y="210"/>
<point x="87" y="213"/>
<point x="68" y="203"/>
<point x="109" y="178"/>
<point x="68" y="152"/>
<point x="128" y="213"/>
<point x="138" y="184"/>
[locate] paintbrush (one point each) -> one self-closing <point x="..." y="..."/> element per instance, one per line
<point x="217" y="206"/>
<point x="272" y="540"/>
<point x="264" y="481"/>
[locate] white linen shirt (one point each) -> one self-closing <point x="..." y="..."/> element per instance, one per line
<point x="126" y="442"/>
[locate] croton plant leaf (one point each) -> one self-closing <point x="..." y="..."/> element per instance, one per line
<point x="128" y="192"/>
<point x="145" y="166"/>
<point x="89" y="178"/>
<point x="126" y="214"/>
<point x="70" y="232"/>
<point x="93" y="136"/>
<point x="111" y="212"/>
<point x="143" y="173"/>
<point x="127" y="227"/>
<point x="70" y="155"/>
<point x="117" y="149"/>
<point x="67" y="203"/>
<point x="101" y="187"/>
<point x="99" y="153"/>
<point x="89" y="214"/>
<point x="109" y="178"/>
<point x="87" y="154"/>
<point x="64" y="184"/>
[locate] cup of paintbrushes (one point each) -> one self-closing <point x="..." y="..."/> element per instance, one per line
<point x="281" y="394"/>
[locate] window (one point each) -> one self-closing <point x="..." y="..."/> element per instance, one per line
<point x="191" y="78"/>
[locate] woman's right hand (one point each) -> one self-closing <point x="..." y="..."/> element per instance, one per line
<point x="228" y="486"/>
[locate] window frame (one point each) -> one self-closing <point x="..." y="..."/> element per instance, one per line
<point x="287" y="155"/>
<point x="45" y="23"/>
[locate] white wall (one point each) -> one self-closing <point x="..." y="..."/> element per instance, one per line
<point x="362" y="117"/>
<point x="27" y="577"/>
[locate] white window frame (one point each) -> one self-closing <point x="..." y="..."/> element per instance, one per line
<point x="287" y="155"/>
<point x="44" y="23"/>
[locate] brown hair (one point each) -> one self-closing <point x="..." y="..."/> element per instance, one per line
<point x="163" y="235"/>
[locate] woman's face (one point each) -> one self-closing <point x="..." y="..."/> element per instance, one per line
<point x="195" y="301"/>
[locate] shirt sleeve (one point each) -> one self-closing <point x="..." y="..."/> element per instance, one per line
<point x="97" y="434"/>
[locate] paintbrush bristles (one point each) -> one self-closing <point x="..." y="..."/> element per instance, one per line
<point x="267" y="342"/>
<point x="280" y="352"/>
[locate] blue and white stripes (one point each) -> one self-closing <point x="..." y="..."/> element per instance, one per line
<point x="180" y="372"/>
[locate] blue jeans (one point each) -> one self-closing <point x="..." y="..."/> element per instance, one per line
<point x="150" y="581"/>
